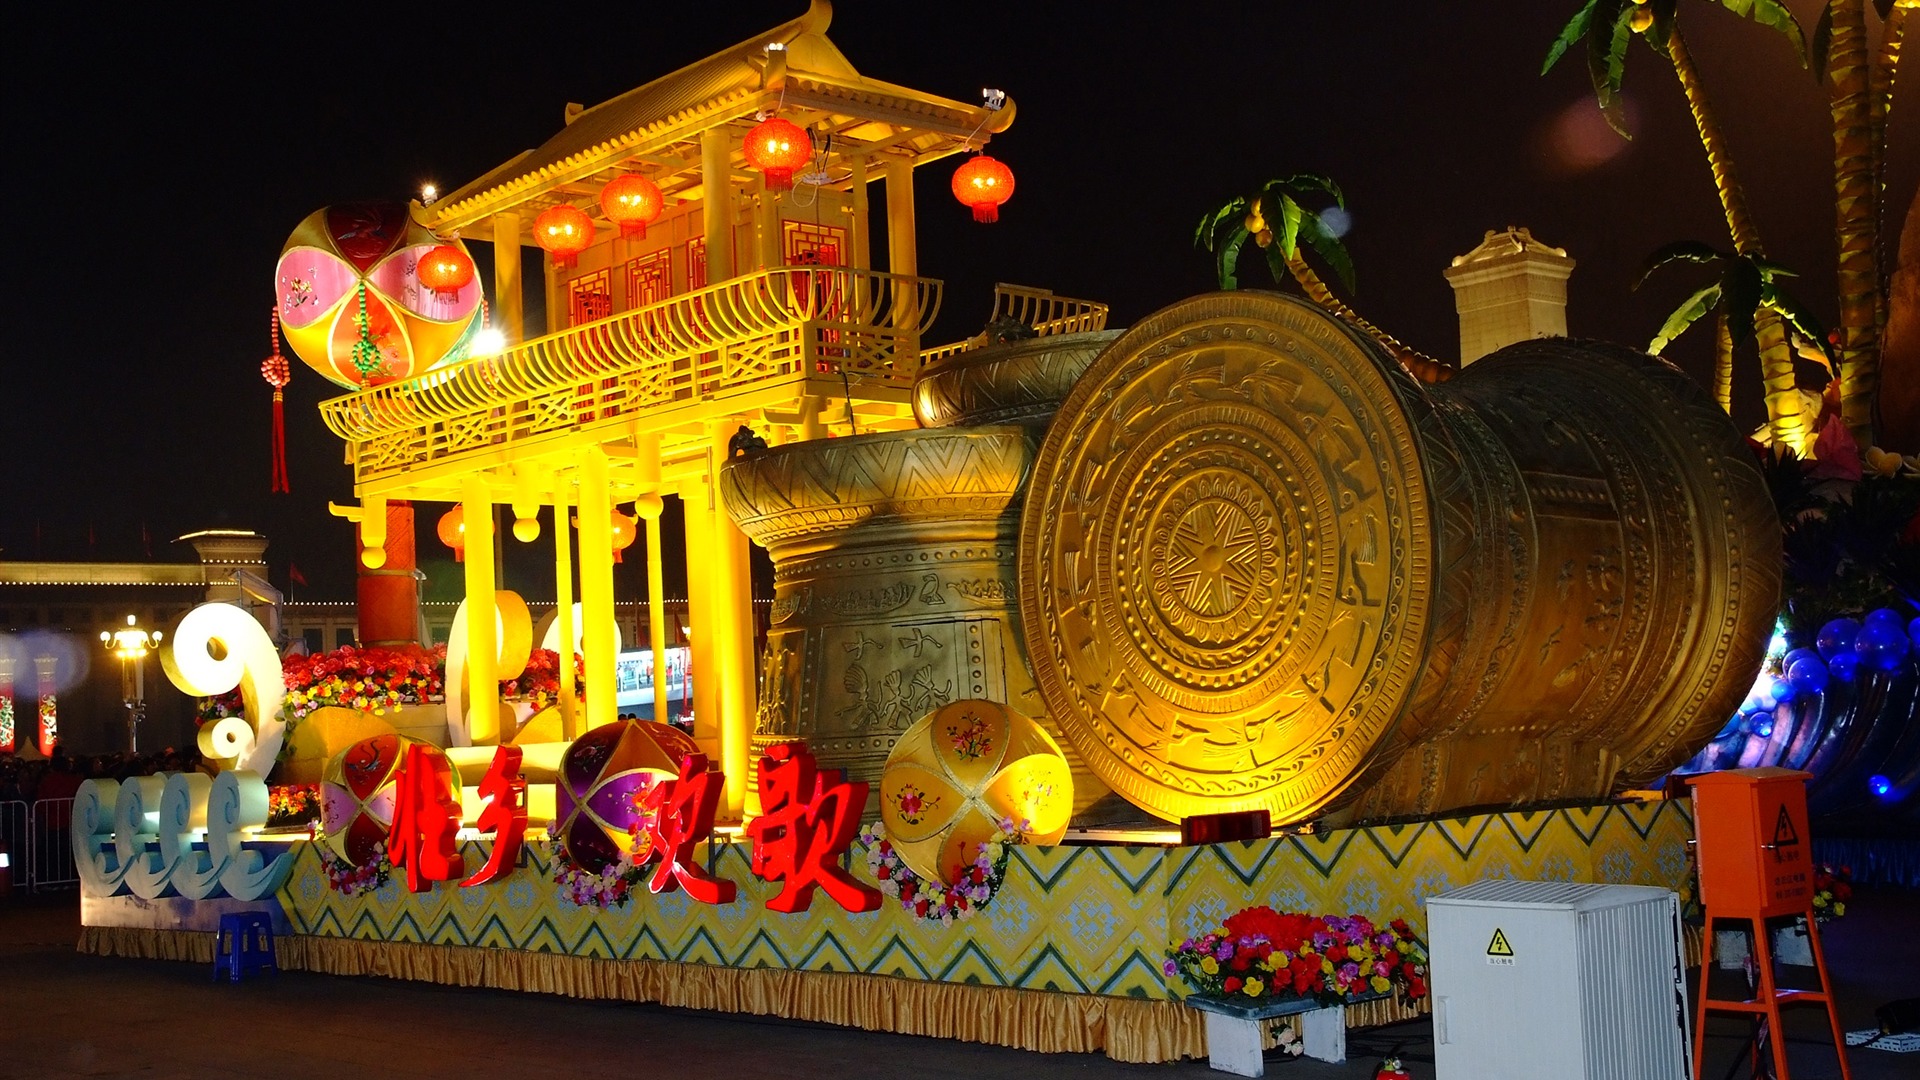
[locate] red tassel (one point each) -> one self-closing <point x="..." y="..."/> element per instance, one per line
<point x="279" y="444"/>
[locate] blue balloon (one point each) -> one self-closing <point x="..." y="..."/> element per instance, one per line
<point x="1783" y="691"/>
<point x="1884" y="615"/>
<point x="1797" y="655"/>
<point x="1879" y="785"/>
<point x="1913" y="631"/>
<point x="1844" y="665"/>
<point x="1837" y="637"/>
<point x="1808" y="675"/>
<point x="1882" y="645"/>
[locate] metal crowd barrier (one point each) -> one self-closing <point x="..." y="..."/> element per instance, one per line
<point x="16" y="842"/>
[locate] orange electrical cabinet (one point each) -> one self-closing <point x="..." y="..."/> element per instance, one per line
<point x="1753" y="842"/>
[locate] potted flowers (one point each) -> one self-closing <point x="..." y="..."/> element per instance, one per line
<point x="1263" y="963"/>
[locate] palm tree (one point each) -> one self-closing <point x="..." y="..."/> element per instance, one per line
<point x="1608" y="27"/>
<point x="1858" y="94"/>
<point x="1745" y="287"/>
<point x="1226" y="230"/>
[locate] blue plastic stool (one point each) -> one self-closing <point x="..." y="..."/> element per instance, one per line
<point x="244" y="945"/>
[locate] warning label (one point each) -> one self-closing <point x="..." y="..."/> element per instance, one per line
<point x="1499" y="952"/>
<point x="1783" y="831"/>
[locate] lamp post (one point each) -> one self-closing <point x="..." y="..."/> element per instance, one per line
<point x="131" y="645"/>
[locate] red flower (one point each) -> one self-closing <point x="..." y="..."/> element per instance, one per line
<point x="1337" y="954"/>
<point x="1232" y="984"/>
<point x="920" y="908"/>
<point x="1239" y="962"/>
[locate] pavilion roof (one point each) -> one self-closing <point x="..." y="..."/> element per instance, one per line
<point x="812" y="80"/>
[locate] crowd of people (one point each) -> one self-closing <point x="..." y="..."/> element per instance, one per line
<point x="39" y="779"/>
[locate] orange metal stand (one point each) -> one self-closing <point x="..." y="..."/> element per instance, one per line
<point x="1768" y="997"/>
<point x="1755" y="867"/>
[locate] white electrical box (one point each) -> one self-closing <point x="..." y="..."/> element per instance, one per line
<point x="1553" y="978"/>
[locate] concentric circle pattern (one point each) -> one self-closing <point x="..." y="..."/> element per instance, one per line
<point x="1223" y="558"/>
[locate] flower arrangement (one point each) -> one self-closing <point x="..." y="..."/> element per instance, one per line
<point x="539" y="683"/>
<point x="219" y="707"/>
<point x="293" y="804"/>
<point x="1262" y="953"/>
<point x="1832" y="888"/>
<point x="611" y="887"/>
<point x="938" y="901"/>
<point x="347" y="879"/>
<point x="373" y="679"/>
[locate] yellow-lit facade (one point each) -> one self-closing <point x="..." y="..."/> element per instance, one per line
<point x="778" y="310"/>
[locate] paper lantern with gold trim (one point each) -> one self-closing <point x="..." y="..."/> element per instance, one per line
<point x="563" y="232"/>
<point x="604" y="779"/>
<point x="961" y="770"/>
<point x="317" y="283"/>
<point x="357" y="796"/>
<point x="632" y="202"/>
<point x="777" y="148"/>
<point x="982" y="184"/>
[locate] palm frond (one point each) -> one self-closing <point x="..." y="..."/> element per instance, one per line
<point x="1575" y="29"/>
<point x="1690" y="310"/>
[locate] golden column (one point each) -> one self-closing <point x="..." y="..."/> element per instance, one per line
<point x="648" y="506"/>
<point x="509" y="312"/>
<point x="563" y="611"/>
<point x="483" y="639"/>
<point x="725" y="640"/>
<point x="596" y="587"/>
<point x="903" y="257"/>
<point x="716" y="203"/>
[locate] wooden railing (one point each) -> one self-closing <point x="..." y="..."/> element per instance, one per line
<point x="767" y="325"/>
<point x="1039" y="309"/>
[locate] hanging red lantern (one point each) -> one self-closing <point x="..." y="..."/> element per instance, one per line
<point x="983" y="183"/>
<point x="632" y="202"/>
<point x="446" y="270"/>
<point x="563" y="232"/>
<point x="278" y="374"/>
<point x="623" y="534"/>
<point x="453" y="532"/>
<point x="777" y="147"/>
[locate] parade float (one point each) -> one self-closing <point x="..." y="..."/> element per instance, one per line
<point x="1086" y="647"/>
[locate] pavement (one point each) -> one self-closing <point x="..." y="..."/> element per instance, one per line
<point x="63" y="1014"/>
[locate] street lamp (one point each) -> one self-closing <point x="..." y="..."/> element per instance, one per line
<point x="131" y="646"/>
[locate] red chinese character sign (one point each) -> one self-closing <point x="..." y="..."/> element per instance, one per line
<point x="680" y="819"/>
<point x="505" y="816"/>
<point x="809" y="822"/>
<point x="426" y="819"/>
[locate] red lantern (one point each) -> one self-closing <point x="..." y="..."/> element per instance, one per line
<point x="446" y="270"/>
<point x="278" y="374"/>
<point x="563" y="232"/>
<point x="623" y="534"/>
<point x="777" y="147"/>
<point x="632" y="202"/>
<point x="983" y="183"/>
<point x="453" y="532"/>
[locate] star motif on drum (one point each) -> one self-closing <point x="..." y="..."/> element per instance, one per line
<point x="1213" y="563"/>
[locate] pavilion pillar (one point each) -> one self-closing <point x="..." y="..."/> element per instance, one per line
<point x="600" y="637"/>
<point x="563" y="612"/>
<point x="648" y="506"/>
<point x="766" y="221"/>
<point x="483" y="641"/>
<point x="703" y="669"/>
<point x="716" y="202"/>
<point x="509" y="308"/>
<point x="733" y="629"/>
<point x="861" y="240"/>
<point x="903" y="254"/>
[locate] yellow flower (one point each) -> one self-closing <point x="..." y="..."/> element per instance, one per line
<point x="1326" y="966"/>
<point x="1252" y="987"/>
<point x="1839" y="910"/>
<point x="1380" y="984"/>
<point x="1208" y="965"/>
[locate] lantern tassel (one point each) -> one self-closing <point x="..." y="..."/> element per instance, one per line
<point x="986" y="213"/>
<point x="280" y="483"/>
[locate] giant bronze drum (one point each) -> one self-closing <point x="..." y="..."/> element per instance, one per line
<point x="893" y="585"/>
<point x="1260" y="567"/>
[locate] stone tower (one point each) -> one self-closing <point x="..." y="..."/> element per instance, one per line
<point x="1511" y="288"/>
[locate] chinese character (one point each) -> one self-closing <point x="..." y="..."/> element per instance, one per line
<point x="505" y="816"/>
<point x="808" y="823"/>
<point x="680" y="818"/>
<point x="425" y="819"/>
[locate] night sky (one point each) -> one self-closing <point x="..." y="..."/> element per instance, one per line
<point x="159" y="160"/>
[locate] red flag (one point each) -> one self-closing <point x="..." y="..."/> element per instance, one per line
<point x="294" y="575"/>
